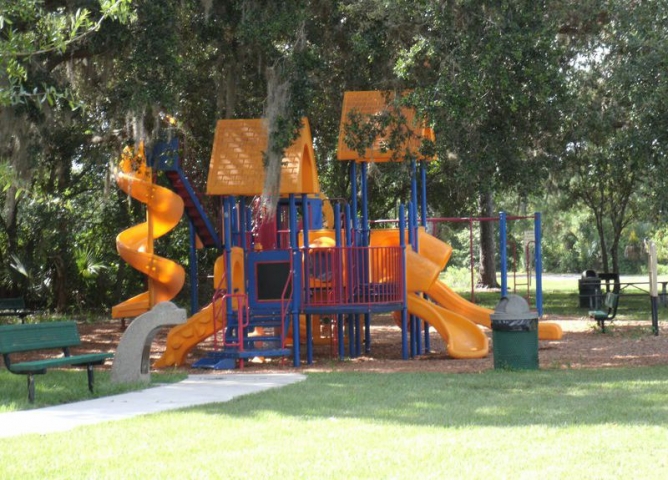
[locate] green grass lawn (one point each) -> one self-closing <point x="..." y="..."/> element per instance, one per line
<point x="598" y="424"/>
<point x="65" y="386"/>
<point x="522" y="425"/>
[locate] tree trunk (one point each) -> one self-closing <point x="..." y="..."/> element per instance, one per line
<point x="227" y="89"/>
<point x="615" y="254"/>
<point x="278" y="105"/>
<point x="14" y="132"/>
<point x="605" y="263"/>
<point x="487" y="244"/>
<point x="60" y="283"/>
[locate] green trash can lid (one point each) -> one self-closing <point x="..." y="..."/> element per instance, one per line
<point x="513" y="307"/>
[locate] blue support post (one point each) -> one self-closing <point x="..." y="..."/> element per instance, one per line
<point x="233" y="221"/>
<point x="351" y="320"/>
<point x="358" y="336"/>
<point x="352" y="240"/>
<point x="539" y="263"/>
<point x="241" y="223"/>
<point x="339" y="316"/>
<point x="337" y="224"/>
<point x="227" y="220"/>
<point x="249" y="225"/>
<point x="306" y="216"/>
<point x="227" y="239"/>
<point x="504" y="254"/>
<point x="306" y="220"/>
<point x="296" y="281"/>
<point x="423" y="211"/>
<point x="414" y="322"/>
<point x="348" y="242"/>
<point x="365" y="243"/>
<point x="365" y="207"/>
<point x="340" y="337"/>
<point x="194" y="294"/>
<point x="411" y="230"/>
<point x="414" y="192"/>
<point x="404" y="308"/>
<point x="353" y="193"/>
<point x="413" y="337"/>
<point x="423" y="185"/>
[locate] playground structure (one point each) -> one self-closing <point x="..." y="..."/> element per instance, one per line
<point x="312" y="273"/>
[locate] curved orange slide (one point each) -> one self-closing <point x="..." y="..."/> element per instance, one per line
<point x="135" y="245"/>
<point x="464" y="339"/>
<point x="183" y="338"/>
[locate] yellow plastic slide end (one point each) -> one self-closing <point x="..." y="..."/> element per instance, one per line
<point x="464" y="339"/>
<point x="549" y="331"/>
<point x="182" y="338"/>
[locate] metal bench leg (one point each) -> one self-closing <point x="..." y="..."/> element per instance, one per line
<point x="89" y="371"/>
<point x="31" y="388"/>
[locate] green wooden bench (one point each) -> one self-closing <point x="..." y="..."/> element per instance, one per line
<point x="601" y="316"/>
<point x="45" y="336"/>
<point x="14" y="307"/>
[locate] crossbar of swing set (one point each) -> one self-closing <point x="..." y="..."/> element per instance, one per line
<point x="502" y="218"/>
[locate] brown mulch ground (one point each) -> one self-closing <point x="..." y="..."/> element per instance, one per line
<point x="625" y="343"/>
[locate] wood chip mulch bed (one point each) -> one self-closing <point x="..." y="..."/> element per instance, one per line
<point x="625" y="343"/>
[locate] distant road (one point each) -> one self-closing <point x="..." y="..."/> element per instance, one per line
<point x="575" y="276"/>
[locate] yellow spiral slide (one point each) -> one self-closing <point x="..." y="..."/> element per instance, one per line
<point x="135" y="245"/>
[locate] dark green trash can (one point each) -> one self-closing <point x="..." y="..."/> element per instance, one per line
<point x="514" y="335"/>
<point x="589" y="290"/>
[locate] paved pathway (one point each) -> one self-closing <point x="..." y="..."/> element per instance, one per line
<point x="195" y="390"/>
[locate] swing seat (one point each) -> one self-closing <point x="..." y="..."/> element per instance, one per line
<point x="601" y="316"/>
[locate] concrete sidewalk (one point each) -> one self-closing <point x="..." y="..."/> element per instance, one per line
<point x="195" y="390"/>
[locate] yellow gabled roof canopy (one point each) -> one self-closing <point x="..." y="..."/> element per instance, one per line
<point x="237" y="165"/>
<point x="369" y="103"/>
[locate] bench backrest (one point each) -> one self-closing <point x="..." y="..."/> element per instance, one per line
<point x="611" y="301"/>
<point x="36" y="336"/>
<point x="17" y="303"/>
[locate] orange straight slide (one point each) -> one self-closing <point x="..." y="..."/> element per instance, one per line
<point x="182" y="338"/>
